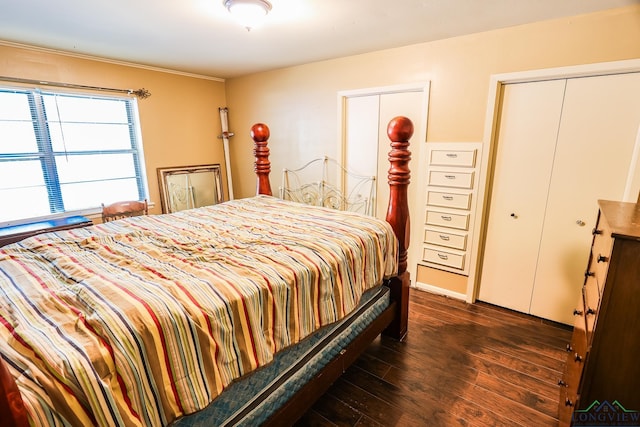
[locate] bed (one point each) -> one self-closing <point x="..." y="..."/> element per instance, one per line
<point x="241" y="313"/>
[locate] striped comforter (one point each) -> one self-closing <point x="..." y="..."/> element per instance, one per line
<point x="141" y="321"/>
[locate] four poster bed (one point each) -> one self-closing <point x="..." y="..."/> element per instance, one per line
<point x="241" y="313"/>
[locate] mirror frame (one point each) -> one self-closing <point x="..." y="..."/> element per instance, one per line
<point x="164" y="173"/>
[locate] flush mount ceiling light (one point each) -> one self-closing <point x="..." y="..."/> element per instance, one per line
<point x="249" y="13"/>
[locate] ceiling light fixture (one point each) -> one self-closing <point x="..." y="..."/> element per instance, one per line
<point x="249" y="13"/>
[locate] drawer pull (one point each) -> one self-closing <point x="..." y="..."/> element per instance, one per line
<point x="569" y="348"/>
<point x="450" y="176"/>
<point x="561" y="383"/>
<point x="578" y="358"/>
<point x="596" y="231"/>
<point x="447" y="197"/>
<point x="589" y="273"/>
<point x="602" y="258"/>
<point x="577" y="312"/>
<point x="590" y="311"/>
<point x="443" y="256"/>
<point x="452" y="155"/>
<point x="443" y="237"/>
<point x="445" y="218"/>
<point x="568" y="402"/>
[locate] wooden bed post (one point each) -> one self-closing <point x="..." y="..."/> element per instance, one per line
<point x="260" y="135"/>
<point x="400" y="130"/>
<point x="12" y="410"/>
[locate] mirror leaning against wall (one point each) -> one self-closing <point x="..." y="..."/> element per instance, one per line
<point x="188" y="187"/>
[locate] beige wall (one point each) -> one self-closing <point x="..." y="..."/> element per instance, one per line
<point x="300" y="103"/>
<point x="179" y="122"/>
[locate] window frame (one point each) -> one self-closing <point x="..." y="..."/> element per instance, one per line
<point x="46" y="154"/>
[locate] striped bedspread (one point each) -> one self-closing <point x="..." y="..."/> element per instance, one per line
<point x="143" y="320"/>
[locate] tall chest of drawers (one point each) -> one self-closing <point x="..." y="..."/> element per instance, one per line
<point x="452" y="170"/>
<point x="603" y="357"/>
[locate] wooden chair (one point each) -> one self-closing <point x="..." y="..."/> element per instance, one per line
<point x="124" y="209"/>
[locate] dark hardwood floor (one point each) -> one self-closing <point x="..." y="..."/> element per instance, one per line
<point x="461" y="364"/>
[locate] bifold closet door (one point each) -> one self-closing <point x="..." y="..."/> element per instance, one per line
<point x="562" y="145"/>
<point x="367" y="144"/>
<point x="528" y="130"/>
<point x="596" y="139"/>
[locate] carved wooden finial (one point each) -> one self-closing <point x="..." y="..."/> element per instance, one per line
<point x="400" y="128"/>
<point x="260" y="134"/>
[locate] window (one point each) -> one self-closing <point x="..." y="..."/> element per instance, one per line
<point x="66" y="152"/>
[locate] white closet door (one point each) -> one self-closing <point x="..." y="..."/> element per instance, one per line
<point x="361" y="130"/>
<point x="367" y="144"/>
<point x="524" y="157"/>
<point x="596" y="140"/>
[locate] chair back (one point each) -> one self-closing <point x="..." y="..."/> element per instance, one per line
<point x="124" y="209"/>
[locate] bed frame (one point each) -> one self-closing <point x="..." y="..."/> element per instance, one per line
<point x="320" y="190"/>
<point x="392" y="322"/>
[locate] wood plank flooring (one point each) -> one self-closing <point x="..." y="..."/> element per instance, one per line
<point x="461" y="364"/>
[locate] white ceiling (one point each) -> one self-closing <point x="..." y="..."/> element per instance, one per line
<point x="198" y="36"/>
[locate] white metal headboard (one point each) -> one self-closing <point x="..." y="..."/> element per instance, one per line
<point x="312" y="187"/>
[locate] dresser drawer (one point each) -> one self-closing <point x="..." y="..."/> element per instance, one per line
<point x="449" y="200"/>
<point x="600" y="254"/>
<point x="451" y="179"/>
<point x="450" y="240"/>
<point x="464" y="158"/>
<point x="572" y="376"/>
<point x="446" y="219"/>
<point x="568" y="401"/>
<point x="591" y="304"/>
<point x="443" y="258"/>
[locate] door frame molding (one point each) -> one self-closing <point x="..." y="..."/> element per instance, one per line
<point x="496" y="83"/>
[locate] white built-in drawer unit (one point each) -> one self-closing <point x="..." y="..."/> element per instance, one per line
<point x="449" y="200"/>
<point x="447" y="219"/>
<point x="443" y="258"/>
<point x="444" y="238"/>
<point x="451" y="171"/>
<point x="451" y="179"/>
<point x="447" y="157"/>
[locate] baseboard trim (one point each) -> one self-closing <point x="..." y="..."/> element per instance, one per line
<point x="440" y="291"/>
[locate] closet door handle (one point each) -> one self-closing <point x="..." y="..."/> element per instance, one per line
<point x="581" y="223"/>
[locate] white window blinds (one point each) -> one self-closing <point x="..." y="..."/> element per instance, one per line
<point x="66" y="152"/>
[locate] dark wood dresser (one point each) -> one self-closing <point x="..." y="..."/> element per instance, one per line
<point x="602" y="371"/>
<point x="18" y="232"/>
